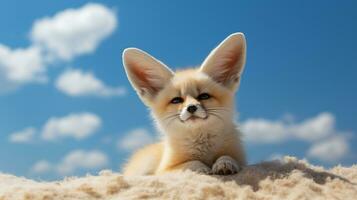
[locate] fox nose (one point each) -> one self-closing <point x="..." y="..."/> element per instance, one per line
<point x="191" y="109"/>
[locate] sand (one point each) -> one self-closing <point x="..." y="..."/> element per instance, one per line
<point x="287" y="179"/>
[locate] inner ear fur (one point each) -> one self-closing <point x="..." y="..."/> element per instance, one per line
<point x="146" y="74"/>
<point x="226" y="62"/>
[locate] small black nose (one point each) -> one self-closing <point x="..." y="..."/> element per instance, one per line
<point x="191" y="108"/>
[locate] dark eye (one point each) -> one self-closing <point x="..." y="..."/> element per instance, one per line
<point x="203" y="96"/>
<point x="176" y="100"/>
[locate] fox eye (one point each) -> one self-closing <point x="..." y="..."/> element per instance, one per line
<point x="203" y="96"/>
<point x="176" y="100"/>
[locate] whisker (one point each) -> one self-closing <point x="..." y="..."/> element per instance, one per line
<point x="170" y="121"/>
<point x="216" y="115"/>
<point x="218" y="108"/>
<point x="170" y="115"/>
<point x="169" y="118"/>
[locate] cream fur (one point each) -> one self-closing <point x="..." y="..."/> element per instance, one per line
<point x="206" y="141"/>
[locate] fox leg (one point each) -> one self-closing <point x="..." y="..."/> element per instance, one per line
<point x="225" y="165"/>
<point x="145" y="161"/>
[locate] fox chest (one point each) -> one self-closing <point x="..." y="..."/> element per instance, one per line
<point x="203" y="147"/>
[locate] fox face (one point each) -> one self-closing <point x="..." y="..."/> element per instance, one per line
<point x="193" y="98"/>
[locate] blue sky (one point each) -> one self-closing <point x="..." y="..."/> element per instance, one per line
<point x="64" y="95"/>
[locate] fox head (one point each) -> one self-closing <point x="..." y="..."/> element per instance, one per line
<point x="191" y="98"/>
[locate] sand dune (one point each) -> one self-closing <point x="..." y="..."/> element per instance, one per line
<point x="288" y="179"/>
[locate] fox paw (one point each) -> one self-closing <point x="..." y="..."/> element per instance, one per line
<point x="225" y="165"/>
<point x="203" y="170"/>
<point x="198" y="167"/>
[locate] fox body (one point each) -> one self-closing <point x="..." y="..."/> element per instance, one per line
<point x="193" y="109"/>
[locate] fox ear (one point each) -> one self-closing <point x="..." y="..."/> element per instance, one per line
<point x="226" y="62"/>
<point x="146" y="74"/>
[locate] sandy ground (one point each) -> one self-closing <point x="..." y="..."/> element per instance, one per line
<point x="288" y="179"/>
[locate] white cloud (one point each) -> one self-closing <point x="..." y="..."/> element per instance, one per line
<point x="41" y="167"/>
<point x="81" y="159"/>
<point x="74" y="32"/>
<point x="75" y="125"/>
<point x="264" y="131"/>
<point x="315" y="128"/>
<point x="78" y="125"/>
<point x="21" y="66"/>
<point x="267" y="131"/>
<point x="75" y="82"/>
<point x="328" y="143"/>
<point x="73" y="161"/>
<point x="135" y="139"/>
<point x="331" y="149"/>
<point x="62" y="37"/>
<point x="23" y="136"/>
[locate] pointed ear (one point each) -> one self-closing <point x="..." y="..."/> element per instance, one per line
<point x="146" y="74"/>
<point x="226" y="62"/>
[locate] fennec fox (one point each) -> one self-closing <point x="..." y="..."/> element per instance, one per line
<point x="193" y="109"/>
